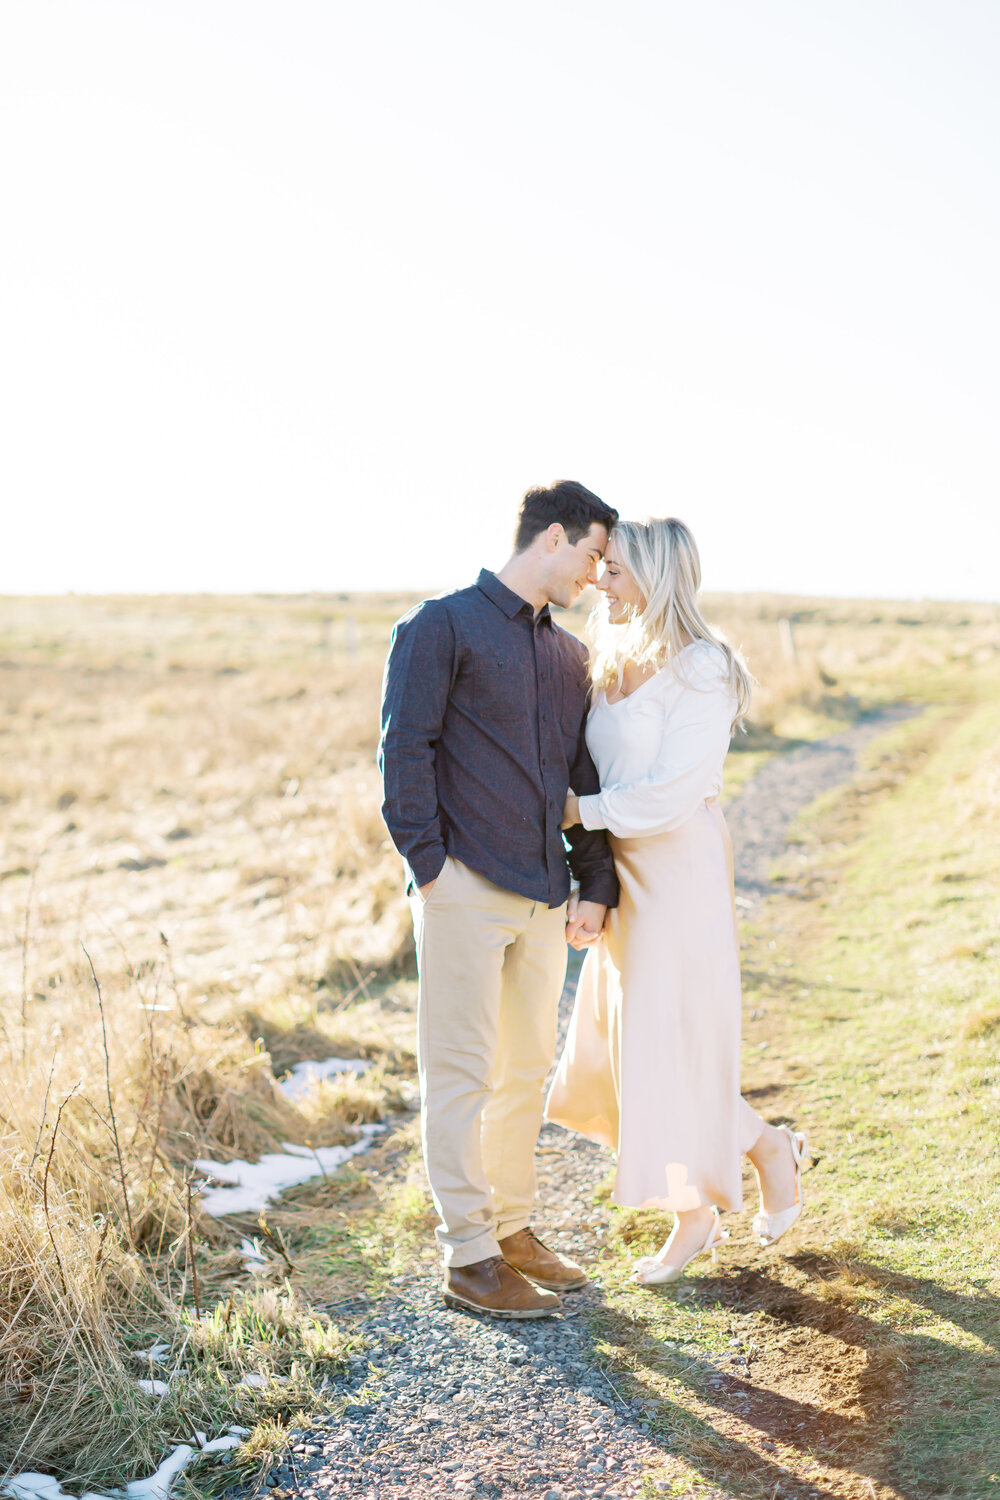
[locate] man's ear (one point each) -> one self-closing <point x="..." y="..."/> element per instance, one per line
<point x="554" y="536"/>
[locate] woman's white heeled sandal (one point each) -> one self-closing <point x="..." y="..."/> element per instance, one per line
<point x="651" y="1272"/>
<point x="770" y="1227"/>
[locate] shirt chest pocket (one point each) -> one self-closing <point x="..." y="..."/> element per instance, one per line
<point x="499" y="689"/>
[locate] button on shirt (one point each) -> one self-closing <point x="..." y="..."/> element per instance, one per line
<point x="484" y="706"/>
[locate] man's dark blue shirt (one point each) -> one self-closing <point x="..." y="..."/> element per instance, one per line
<point x="484" y="705"/>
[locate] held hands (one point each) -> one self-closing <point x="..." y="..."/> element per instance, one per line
<point x="584" y="921"/>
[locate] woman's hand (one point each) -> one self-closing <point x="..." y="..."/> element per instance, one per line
<point x="571" y="812"/>
<point x="584" y="922"/>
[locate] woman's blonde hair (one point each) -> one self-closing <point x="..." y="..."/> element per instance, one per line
<point x="663" y="559"/>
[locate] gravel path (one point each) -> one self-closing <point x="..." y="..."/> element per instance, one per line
<point x="470" y="1406"/>
<point x="760" y="817"/>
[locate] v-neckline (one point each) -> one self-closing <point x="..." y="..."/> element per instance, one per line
<point x="614" y="702"/>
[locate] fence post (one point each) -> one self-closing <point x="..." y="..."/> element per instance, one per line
<point x="786" y="635"/>
<point x="351" y="639"/>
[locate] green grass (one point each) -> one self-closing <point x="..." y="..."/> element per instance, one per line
<point x="873" y="1005"/>
<point x="385" y="1234"/>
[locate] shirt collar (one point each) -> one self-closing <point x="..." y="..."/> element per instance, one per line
<point x="505" y="598"/>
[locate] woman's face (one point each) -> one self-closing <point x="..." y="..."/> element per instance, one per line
<point x="618" y="585"/>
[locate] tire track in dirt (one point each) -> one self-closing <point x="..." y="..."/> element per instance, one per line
<point x="446" y="1404"/>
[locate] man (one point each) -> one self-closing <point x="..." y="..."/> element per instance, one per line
<point x="483" y="711"/>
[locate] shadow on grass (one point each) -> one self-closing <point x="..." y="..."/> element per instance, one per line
<point x="908" y="1411"/>
<point x="978" y="1315"/>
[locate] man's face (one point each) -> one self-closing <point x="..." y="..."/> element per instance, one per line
<point x="572" y="566"/>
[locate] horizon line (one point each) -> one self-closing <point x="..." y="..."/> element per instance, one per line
<point x="422" y="593"/>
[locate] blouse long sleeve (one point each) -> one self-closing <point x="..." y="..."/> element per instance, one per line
<point x="696" y="734"/>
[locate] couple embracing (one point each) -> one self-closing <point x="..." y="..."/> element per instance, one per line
<point x="513" y="760"/>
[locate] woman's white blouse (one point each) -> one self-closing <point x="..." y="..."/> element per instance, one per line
<point x="660" y="751"/>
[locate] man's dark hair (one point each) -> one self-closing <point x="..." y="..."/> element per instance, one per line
<point x="572" y="505"/>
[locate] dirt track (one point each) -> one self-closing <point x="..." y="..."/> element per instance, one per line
<point x="469" y="1406"/>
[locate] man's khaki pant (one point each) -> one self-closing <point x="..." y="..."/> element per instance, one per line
<point x="491" y="967"/>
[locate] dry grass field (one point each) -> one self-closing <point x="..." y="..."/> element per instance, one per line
<point x="197" y="892"/>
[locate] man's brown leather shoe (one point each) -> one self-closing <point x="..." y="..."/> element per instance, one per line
<point x="492" y="1286"/>
<point x="526" y="1253"/>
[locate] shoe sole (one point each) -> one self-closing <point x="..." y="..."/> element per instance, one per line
<point x="556" y="1286"/>
<point x="460" y="1305"/>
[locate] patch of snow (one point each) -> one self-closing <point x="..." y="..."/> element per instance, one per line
<point x="23" y="1486"/>
<point x="157" y="1486"/>
<point x="153" y="1387"/>
<point x="155" y="1353"/>
<point x="259" y="1382"/>
<point x="304" y="1074"/>
<point x="221" y="1444"/>
<point x="254" y="1259"/>
<point x="31" y="1486"/>
<point x="253" y="1185"/>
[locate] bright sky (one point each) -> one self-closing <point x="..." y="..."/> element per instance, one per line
<point x="303" y="294"/>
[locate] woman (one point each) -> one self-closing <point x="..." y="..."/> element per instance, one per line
<point x="651" y="1063"/>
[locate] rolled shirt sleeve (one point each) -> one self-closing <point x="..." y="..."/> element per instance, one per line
<point x="696" y="736"/>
